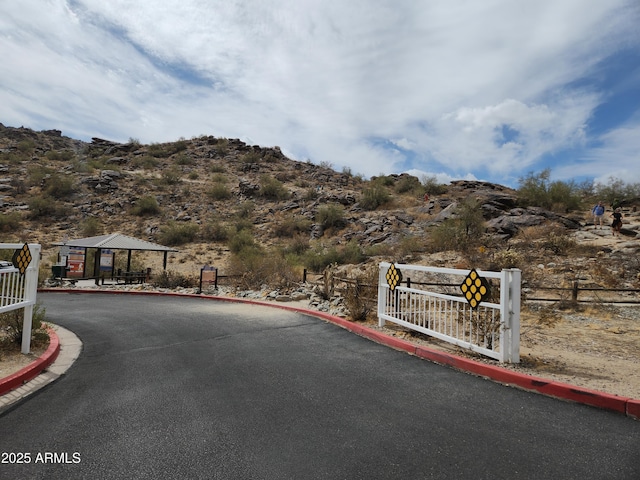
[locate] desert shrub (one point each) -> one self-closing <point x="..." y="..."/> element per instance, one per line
<point x="159" y="151"/>
<point x="91" y="227"/>
<point x="251" y="157"/>
<point x="243" y="224"/>
<point x="310" y="194"/>
<point x="58" y="186"/>
<point x="62" y="155"/>
<point x="171" y="176"/>
<point x="241" y="240"/>
<point x="559" y="243"/>
<point x="184" y="159"/>
<point x="44" y="206"/>
<point x="169" y="279"/>
<point x="174" y="233"/>
<point x="37" y="174"/>
<point x="320" y="257"/>
<point x="409" y="184"/>
<point x="383" y="181"/>
<point x="26" y="146"/>
<point x="258" y="267"/>
<point x="222" y="146"/>
<point x="10" y="222"/>
<point x="462" y="232"/>
<point x="330" y="216"/>
<point x="297" y="246"/>
<point x="11" y="325"/>
<point x="146" y="206"/>
<point x="245" y="209"/>
<point x="219" y="192"/>
<point x="536" y="189"/>
<point x="374" y="197"/>
<point x="291" y="225"/>
<point x="432" y="186"/>
<point x="506" y="259"/>
<point x="360" y="297"/>
<point x="218" y="177"/>
<point x="272" y="189"/>
<point x="214" y="232"/>
<point x="145" y="162"/>
<point x="616" y="192"/>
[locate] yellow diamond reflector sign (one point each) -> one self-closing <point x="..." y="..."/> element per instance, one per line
<point x="475" y="289"/>
<point x="393" y="276"/>
<point x="22" y="259"/>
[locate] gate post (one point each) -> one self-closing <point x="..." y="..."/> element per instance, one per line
<point x="382" y="295"/>
<point x="30" y="292"/>
<point x="510" y="312"/>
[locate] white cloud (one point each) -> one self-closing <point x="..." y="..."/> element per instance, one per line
<point x="489" y="87"/>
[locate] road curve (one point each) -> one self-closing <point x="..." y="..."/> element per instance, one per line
<point x="172" y="387"/>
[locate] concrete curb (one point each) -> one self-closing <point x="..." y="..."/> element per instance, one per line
<point x="626" y="406"/>
<point x="35" y="368"/>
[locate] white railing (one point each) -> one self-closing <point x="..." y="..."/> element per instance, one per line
<point x="19" y="291"/>
<point x="429" y="300"/>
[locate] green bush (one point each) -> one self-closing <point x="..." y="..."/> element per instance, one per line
<point x="174" y="233"/>
<point x="169" y="279"/>
<point x="63" y="155"/>
<point x="91" y="227"/>
<point x="58" y="186"/>
<point x="146" y="206"/>
<point x="536" y="189"/>
<point x="245" y="209"/>
<point x="11" y="324"/>
<point x="257" y="267"/>
<point x="432" y="186"/>
<point x="10" y="222"/>
<point x="321" y="257"/>
<point x="272" y="189"/>
<point x="251" y="157"/>
<point x="241" y="240"/>
<point x="361" y="294"/>
<point x="44" y="206"/>
<point x="145" y="162"/>
<point x="374" y="197"/>
<point x="219" y="192"/>
<point x="291" y="225"/>
<point x="409" y="184"/>
<point x="215" y="232"/>
<point x="330" y="216"/>
<point x="171" y="176"/>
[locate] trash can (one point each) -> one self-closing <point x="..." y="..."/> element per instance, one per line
<point x="59" y="271"/>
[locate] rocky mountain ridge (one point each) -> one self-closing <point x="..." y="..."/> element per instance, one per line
<point x="53" y="187"/>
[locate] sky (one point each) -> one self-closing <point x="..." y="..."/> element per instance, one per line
<point x="491" y="90"/>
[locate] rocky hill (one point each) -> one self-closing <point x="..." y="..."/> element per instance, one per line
<point x="211" y="196"/>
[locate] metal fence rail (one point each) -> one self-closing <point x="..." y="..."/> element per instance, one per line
<point x="19" y="290"/>
<point x="492" y="329"/>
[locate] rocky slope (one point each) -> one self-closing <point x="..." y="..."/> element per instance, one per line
<point x="53" y="187"/>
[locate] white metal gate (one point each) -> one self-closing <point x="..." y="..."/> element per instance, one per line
<point x="430" y="300"/>
<point x="18" y="290"/>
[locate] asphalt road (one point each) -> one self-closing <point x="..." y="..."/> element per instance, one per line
<point x="169" y="388"/>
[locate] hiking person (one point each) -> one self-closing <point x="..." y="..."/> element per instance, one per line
<point x="616" y="226"/>
<point x="598" y="214"/>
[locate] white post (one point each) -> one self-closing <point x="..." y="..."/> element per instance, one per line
<point x="510" y="312"/>
<point x="30" y="292"/>
<point x="382" y="297"/>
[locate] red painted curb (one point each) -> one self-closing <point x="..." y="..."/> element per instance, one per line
<point x="35" y="368"/>
<point x="626" y="406"/>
